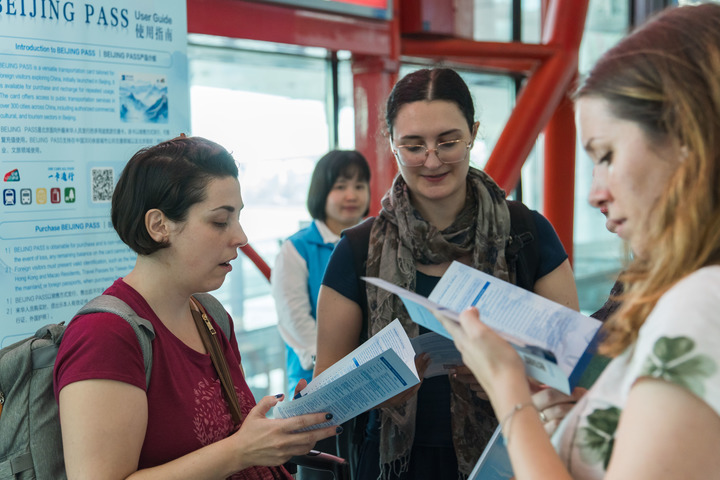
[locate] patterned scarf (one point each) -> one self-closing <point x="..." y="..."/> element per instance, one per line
<point x="399" y="239"/>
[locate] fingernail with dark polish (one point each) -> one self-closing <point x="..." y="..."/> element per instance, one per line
<point x="279" y="395"/>
<point x="328" y="416"/>
<point x="338" y="429"/>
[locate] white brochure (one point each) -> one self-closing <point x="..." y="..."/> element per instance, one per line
<point x="377" y="370"/>
<point x="494" y="463"/>
<point x="550" y="338"/>
<point x="444" y="356"/>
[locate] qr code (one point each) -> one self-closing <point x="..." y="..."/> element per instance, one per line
<point x="103" y="180"/>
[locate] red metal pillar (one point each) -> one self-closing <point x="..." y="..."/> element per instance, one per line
<point x="543" y="92"/>
<point x="373" y="79"/>
<point x="542" y="104"/>
<point x="559" y="174"/>
<point x="559" y="169"/>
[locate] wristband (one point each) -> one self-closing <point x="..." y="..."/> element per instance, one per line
<point x="506" y="422"/>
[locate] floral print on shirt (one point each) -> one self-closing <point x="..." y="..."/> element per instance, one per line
<point x="679" y="343"/>
<point x="673" y="360"/>
<point x="597" y="439"/>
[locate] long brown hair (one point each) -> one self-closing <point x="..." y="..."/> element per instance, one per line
<point x="666" y="78"/>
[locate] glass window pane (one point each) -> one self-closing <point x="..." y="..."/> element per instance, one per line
<point x="346" y="120"/>
<point x="598" y="253"/>
<point x="531" y="21"/>
<point x="494" y="97"/>
<point x="532" y="176"/>
<point x="266" y="104"/>
<point x="493" y="20"/>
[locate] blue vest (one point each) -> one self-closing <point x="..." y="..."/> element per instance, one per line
<point x="309" y="244"/>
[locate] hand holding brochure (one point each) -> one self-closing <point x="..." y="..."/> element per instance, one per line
<point x="550" y="338"/>
<point x="539" y="363"/>
<point x="377" y="370"/>
<point x="444" y="356"/>
<point x="509" y="310"/>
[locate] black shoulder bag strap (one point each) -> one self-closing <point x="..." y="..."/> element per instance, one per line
<point x="523" y="250"/>
<point x="359" y="238"/>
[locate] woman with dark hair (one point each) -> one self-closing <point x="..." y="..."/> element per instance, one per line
<point x="177" y="205"/>
<point x="439" y="209"/>
<point x="649" y="116"/>
<point x="338" y="198"/>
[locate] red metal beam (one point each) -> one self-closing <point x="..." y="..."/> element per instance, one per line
<point x="542" y="92"/>
<point x="373" y="79"/>
<point x="536" y="106"/>
<point x="457" y="47"/>
<point x="499" y="66"/>
<point x="559" y="173"/>
<point x="291" y="25"/>
<point x="257" y="260"/>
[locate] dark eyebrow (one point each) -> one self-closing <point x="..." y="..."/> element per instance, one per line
<point x="419" y="137"/>
<point x="225" y="207"/>
<point x="588" y="145"/>
<point x="450" y="131"/>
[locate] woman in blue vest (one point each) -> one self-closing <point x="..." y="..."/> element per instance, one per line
<point x="338" y="198"/>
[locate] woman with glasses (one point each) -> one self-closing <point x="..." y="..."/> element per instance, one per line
<point x="439" y="209"/>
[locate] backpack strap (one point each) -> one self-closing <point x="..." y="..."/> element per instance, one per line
<point x="44" y="356"/>
<point x="523" y="249"/>
<point x="213" y="306"/>
<point x="359" y="238"/>
<point x="143" y="328"/>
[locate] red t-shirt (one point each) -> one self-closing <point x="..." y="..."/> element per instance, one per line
<point x="186" y="408"/>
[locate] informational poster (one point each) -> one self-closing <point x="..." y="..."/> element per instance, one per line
<point x="83" y="86"/>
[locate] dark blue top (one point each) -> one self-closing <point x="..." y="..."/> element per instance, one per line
<point x="433" y="430"/>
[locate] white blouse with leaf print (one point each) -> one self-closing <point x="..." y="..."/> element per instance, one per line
<point x="679" y="342"/>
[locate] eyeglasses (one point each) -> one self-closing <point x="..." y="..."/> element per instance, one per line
<point x="453" y="151"/>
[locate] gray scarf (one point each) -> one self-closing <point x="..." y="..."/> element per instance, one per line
<point x="399" y="239"/>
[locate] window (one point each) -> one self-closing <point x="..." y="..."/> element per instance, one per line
<point x="493" y="20"/>
<point x="267" y="104"/>
<point x="598" y="253"/>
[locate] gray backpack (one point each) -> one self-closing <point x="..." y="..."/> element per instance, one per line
<point x="30" y="439"/>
